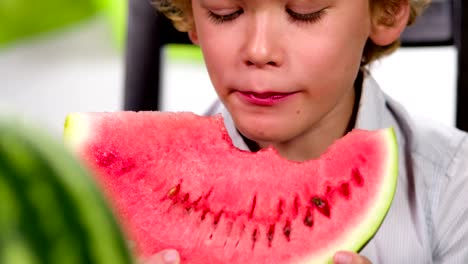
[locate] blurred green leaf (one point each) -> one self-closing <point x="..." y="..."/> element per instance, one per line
<point x="20" y="19"/>
<point x="116" y="12"/>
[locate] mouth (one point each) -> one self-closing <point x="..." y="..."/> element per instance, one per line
<point x="265" y="99"/>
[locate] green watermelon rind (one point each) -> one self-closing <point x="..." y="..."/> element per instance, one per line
<point x="387" y="192"/>
<point x="367" y="228"/>
<point x="28" y="157"/>
<point x="77" y="131"/>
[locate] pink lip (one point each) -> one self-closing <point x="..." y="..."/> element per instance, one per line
<point x="264" y="99"/>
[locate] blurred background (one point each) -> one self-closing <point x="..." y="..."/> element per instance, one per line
<point x="61" y="56"/>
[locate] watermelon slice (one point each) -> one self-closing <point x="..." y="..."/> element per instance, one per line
<point x="177" y="181"/>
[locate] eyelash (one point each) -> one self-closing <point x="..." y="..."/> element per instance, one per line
<point x="295" y="17"/>
<point x="218" y="19"/>
<point x="308" y="18"/>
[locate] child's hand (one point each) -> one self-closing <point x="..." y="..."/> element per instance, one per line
<point x="344" y="257"/>
<point x="168" y="256"/>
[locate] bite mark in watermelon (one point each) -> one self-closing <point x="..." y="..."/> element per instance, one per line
<point x="177" y="181"/>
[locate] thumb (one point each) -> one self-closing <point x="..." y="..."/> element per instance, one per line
<point x="345" y="257"/>
<point x="168" y="256"/>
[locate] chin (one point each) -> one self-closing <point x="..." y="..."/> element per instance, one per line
<point x="266" y="124"/>
<point x="264" y="132"/>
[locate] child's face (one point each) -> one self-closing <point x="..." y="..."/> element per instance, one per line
<point x="283" y="68"/>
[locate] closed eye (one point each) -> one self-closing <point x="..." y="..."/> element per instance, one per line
<point x="217" y="18"/>
<point x="306" y="18"/>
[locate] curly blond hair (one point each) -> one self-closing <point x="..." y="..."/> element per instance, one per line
<point x="180" y="12"/>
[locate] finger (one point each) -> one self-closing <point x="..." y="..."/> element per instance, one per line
<point x="344" y="257"/>
<point x="168" y="256"/>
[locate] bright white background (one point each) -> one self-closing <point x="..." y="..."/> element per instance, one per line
<point x="45" y="78"/>
<point x="81" y="70"/>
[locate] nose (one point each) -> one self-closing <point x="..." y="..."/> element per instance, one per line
<point x="262" y="42"/>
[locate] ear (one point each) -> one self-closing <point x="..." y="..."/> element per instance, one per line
<point x="389" y="21"/>
<point x="193" y="36"/>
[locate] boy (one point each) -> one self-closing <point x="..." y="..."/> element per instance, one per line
<point x="292" y="74"/>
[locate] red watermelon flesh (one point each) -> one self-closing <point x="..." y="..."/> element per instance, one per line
<point x="177" y="181"/>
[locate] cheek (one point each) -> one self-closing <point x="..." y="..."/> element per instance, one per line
<point x="220" y="54"/>
<point x="217" y="63"/>
<point x="213" y="43"/>
<point x="335" y="54"/>
<point x="326" y="61"/>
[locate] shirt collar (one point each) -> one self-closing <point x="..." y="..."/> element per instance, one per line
<point x="234" y="134"/>
<point x="371" y="105"/>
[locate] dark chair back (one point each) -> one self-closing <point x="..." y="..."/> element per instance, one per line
<point x="147" y="32"/>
